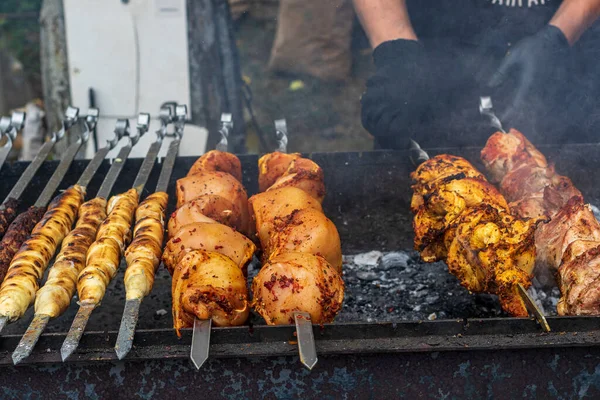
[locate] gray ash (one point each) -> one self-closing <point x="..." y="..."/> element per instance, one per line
<point x="399" y="286"/>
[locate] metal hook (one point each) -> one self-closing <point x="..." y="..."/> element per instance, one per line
<point x="89" y="123"/>
<point x="142" y="126"/>
<point x="166" y="117"/>
<point x="70" y="118"/>
<point x="282" y="135"/>
<point x="226" y="127"/>
<point x="180" y="118"/>
<point x="486" y="108"/>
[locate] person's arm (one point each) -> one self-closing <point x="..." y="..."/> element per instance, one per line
<point x="574" y="17"/>
<point x="384" y="20"/>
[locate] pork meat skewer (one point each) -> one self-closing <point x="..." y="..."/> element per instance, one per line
<point x="9" y="127"/>
<point x="54" y="297"/>
<point x="144" y="253"/>
<point x="8" y="208"/>
<point x="104" y="255"/>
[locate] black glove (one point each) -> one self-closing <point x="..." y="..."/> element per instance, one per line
<point x="533" y="65"/>
<point x="400" y="94"/>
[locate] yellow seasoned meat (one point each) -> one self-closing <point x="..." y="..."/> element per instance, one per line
<point x="447" y="202"/>
<point x="210" y="237"/>
<point x="209" y="208"/>
<point x="208" y="285"/>
<point x="216" y="160"/>
<point x="143" y="255"/>
<point x="270" y="206"/>
<point x="27" y="267"/>
<point x="104" y="255"/>
<point x="297" y="282"/>
<point x="54" y="297"/>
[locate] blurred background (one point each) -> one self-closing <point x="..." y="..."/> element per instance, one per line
<point x="259" y="59"/>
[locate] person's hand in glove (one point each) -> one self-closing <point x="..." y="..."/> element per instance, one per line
<point x="533" y="65"/>
<point x="400" y="93"/>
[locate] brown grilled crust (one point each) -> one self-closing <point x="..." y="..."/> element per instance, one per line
<point x="144" y="253"/>
<point x="17" y="233"/>
<point x="7" y="214"/>
<point x="55" y="296"/>
<point x="27" y="267"/>
<point x="104" y="255"/>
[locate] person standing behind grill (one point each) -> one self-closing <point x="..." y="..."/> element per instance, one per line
<point x="432" y="67"/>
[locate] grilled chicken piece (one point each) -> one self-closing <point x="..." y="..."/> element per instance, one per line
<point x="8" y="214"/>
<point x="210" y="237"/>
<point x="220" y="161"/>
<point x="208" y="285"/>
<point x="271" y="206"/>
<point x="462" y="219"/>
<point x="297" y="281"/>
<point x="210" y="208"/>
<point x="306" y="231"/>
<point x="27" y="267"/>
<point x="55" y="296"/>
<point x="18" y="232"/>
<point x="490" y="251"/>
<point x="144" y="252"/>
<point x="218" y="184"/>
<point x="440" y="208"/>
<point x="272" y="166"/>
<point x="104" y="255"/>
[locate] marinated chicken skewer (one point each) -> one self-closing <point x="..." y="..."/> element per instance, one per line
<point x="300" y="280"/>
<point x="566" y="246"/>
<point x="8" y="208"/>
<point x="53" y="299"/>
<point x="207" y="257"/>
<point x="104" y="255"/>
<point x="461" y="218"/>
<point x="9" y="127"/>
<point x="21" y="275"/>
<point x="145" y="251"/>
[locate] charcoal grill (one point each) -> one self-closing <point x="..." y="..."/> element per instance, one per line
<point x="368" y="200"/>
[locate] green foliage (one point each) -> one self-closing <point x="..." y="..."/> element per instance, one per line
<point x="21" y="36"/>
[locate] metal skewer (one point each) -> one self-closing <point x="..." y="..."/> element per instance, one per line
<point x="132" y="306"/>
<point x="57" y="176"/>
<point x="304" y="329"/>
<point x="70" y="118"/>
<point x="39" y="322"/>
<point x="199" y="350"/>
<point x="85" y="310"/>
<point x="9" y="127"/>
<point x="486" y="108"/>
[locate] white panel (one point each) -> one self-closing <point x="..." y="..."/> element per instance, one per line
<point x="103" y="49"/>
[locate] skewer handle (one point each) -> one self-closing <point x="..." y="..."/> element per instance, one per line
<point x="282" y="135"/>
<point x="225" y="130"/>
<point x="486" y="108"/>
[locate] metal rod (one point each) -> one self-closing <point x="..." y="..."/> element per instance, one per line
<point x="486" y="108"/>
<point x="71" y="116"/>
<point x="306" y="340"/>
<point x="74" y="336"/>
<point x="132" y="306"/>
<point x="30" y="338"/>
<point x="10" y="127"/>
<point x="127" y="328"/>
<point x="533" y="308"/>
<point x="200" y="342"/>
<point x="225" y="131"/>
<point x="282" y="135"/>
<point x="3" y="322"/>
<point x="150" y="159"/>
<point x="121" y="129"/>
<point x="60" y="172"/>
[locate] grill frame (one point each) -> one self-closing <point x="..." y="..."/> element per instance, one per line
<point x="376" y="216"/>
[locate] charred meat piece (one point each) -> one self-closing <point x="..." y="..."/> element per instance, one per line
<point x="461" y="219"/>
<point x="8" y="214"/>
